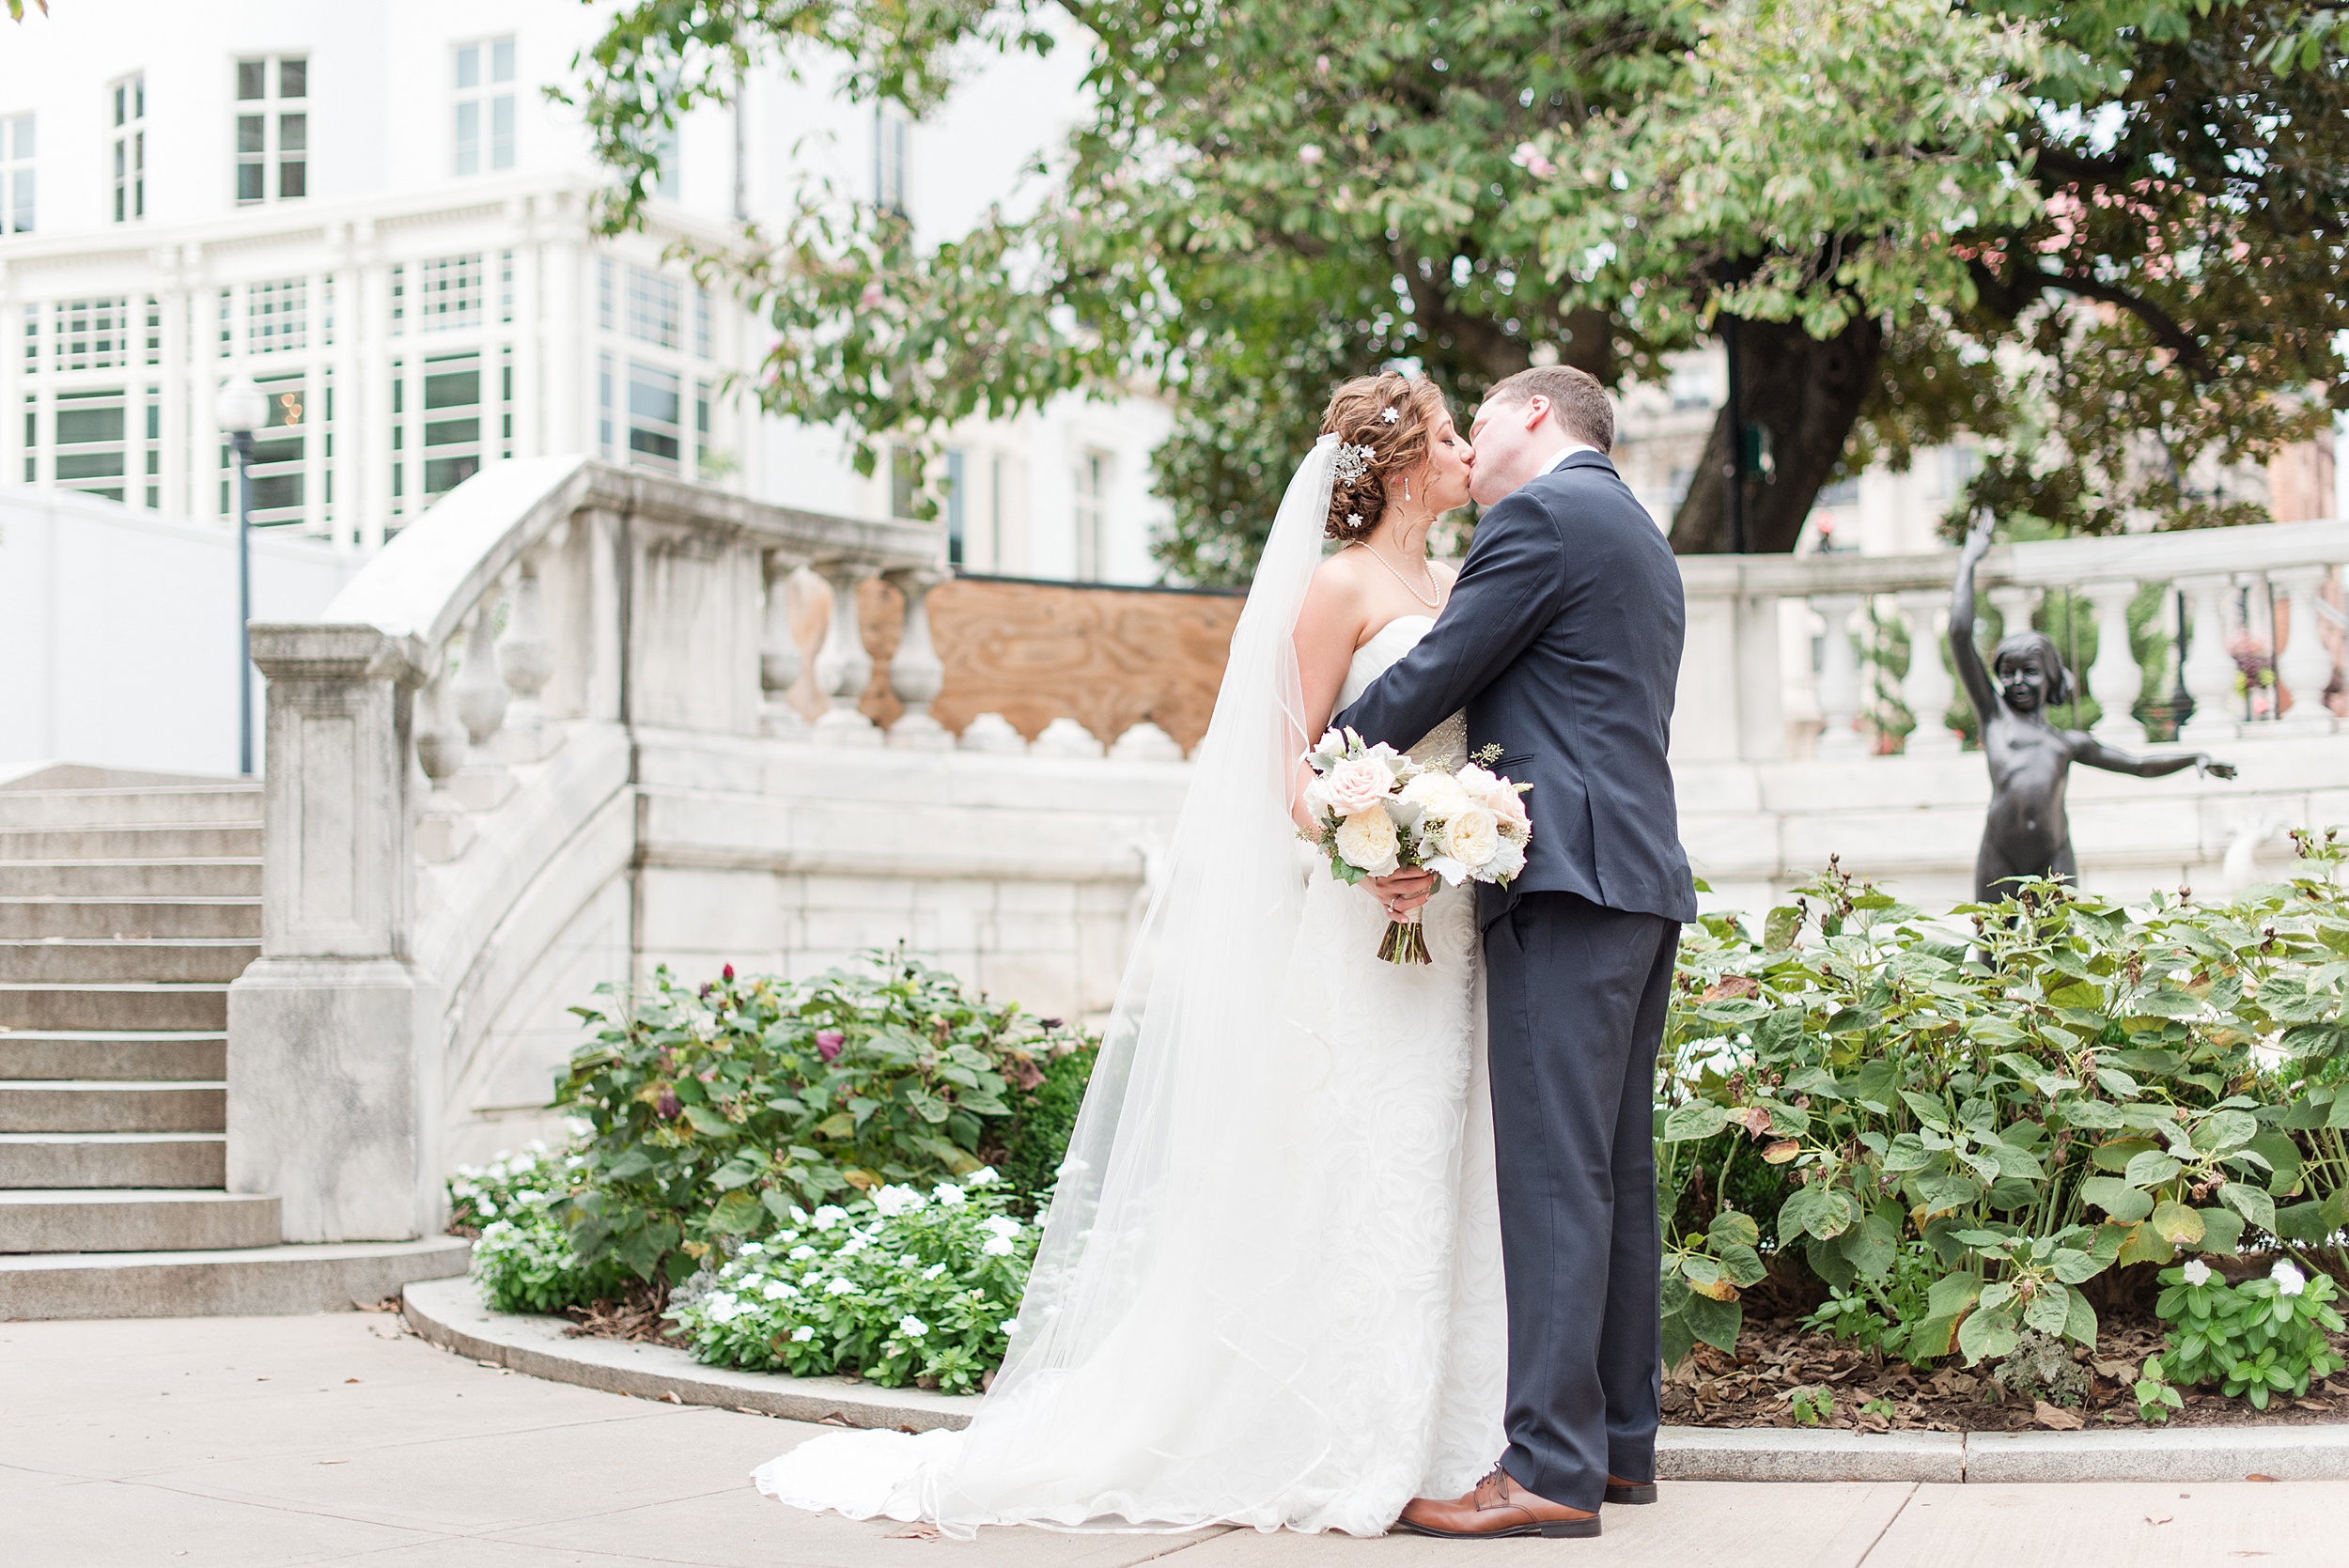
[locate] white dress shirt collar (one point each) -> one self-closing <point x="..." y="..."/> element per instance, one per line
<point x="1564" y="453"/>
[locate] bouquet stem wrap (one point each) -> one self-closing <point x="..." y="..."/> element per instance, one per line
<point x="1405" y="942"/>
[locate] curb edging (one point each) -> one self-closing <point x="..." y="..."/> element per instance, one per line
<point x="449" y="1314"/>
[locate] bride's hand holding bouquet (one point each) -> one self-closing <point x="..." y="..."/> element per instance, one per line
<point x="1375" y="811"/>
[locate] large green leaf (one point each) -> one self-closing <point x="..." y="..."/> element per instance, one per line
<point x="1697" y="1119"/>
<point x="1987" y="1334"/>
<point x="2117" y="1198"/>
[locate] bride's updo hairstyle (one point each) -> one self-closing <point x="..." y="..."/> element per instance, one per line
<point x="1391" y="414"/>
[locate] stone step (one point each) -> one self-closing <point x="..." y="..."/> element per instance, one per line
<point x="53" y="1105"/>
<point x="69" y="1159"/>
<point x="108" y="807"/>
<point x="56" y="916"/>
<point x="134" y="1219"/>
<point x="230" y="877"/>
<point x="37" y="1005"/>
<point x="175" y="841"/>
<point x="95" y="960"/>
<point x="114" y="1054"/>
<point x="247" y="1282"/>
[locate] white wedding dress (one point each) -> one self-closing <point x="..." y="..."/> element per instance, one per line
<point x="1274" y="1297"/>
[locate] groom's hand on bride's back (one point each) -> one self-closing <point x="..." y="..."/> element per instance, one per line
<point x="1404" y="890"/>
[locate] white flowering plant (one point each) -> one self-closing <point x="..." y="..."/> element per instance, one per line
<point x="903" y="1286"/>
<point x="2256" y="1339"/>
<point x="522" y="1257"/>
<point x="1376" y="811"/>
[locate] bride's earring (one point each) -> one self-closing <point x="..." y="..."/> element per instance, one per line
<point x="1406" y="489"/>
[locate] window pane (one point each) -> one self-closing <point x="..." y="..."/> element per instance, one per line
<point x="23" y="135"/>
<point x="79" y="426"/>
<point x="502" y="133"/>
<point x="249" y="134"/>
<point x="468" y="136"/>
<point x="652" y="443"/>
<point x="446" y="474"/>
<point x="293" y="132"/>
<point x="469" y="65"/>
<point x="502" y="60"/>
<point x="121" y="94"/>
<point x="248" y="182"/>
<point x="276" y="491"/>
<point x="452" y="432"/>
<point x="293" y="180"/>
<point x="648" y="397"/>
<point x="94" y="465"/>
<point x="251" y="77"/>
<point x="285" y="449"/>
<point x="293" y="78"/>
<point x="452" y="389"/>
<point x="23" y="202"/>
<point x="122" y="153"/>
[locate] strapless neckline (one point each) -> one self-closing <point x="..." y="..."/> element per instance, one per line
<point x="1448" y="744"/>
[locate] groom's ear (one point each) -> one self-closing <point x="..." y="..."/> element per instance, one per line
<point x="1536" y="410"/>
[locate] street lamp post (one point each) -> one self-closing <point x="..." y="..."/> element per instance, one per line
<point x="240" y="410"/>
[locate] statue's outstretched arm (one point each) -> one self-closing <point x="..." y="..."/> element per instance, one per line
<point x="1971" y="675"/>
<point x="2097" y="754"/>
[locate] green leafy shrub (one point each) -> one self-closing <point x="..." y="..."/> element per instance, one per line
<point x="2263" y="1337"/>
<point x="522" y="1257"/>
<point x="1972" y="1124"/>
<point x="902" y="1287"/>
<point x="714" y="1111"/>
<point x="1046" y="1093"/>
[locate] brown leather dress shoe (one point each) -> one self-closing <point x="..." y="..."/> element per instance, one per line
<point x="1498" y="1507"/>
<point x="1630" y="1491"/>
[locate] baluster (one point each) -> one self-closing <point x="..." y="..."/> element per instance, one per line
<point x="916" y="673"/>
<point x="2015" y="604"/>
<point x="1143" y="742"/>
<point x="1066" y="737"/>
<point x="1839" y="679"/>
<point x="843" y="667"/>
<point x="1928" y="689"/>
<point x="482" y="783"/>
<point x="527" y="662"/>
<point x="779" y="657"/>
<point x="2115" y="680"/>
<point x="992" y="732"/>
<point x="442" y="832"/>
<point x="2209" y="668"/>
<point x="2306" y="665"/>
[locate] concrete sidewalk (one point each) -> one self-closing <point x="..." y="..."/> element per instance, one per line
<point x="249" y="1442"/>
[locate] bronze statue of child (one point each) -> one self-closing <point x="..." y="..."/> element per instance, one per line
<point x="2027" y="832"/>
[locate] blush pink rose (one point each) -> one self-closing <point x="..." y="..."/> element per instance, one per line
<point x="1357" y="784"/>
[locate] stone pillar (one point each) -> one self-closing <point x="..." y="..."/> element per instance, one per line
<point x="2115" y="680"/>
<point x="526" y="661"/>
<point x="916" y="673"/>
<point x="1928" y="687"/>
<point x="2305" y="665"/>
<point x="482" y="783"/>
<point x="334" y="1035"/>
<point x="2014" y="605"/>
<point x="843" y="668"/>
<point x="1838" y="680"/>
<point x="2209" y="668"/>
<point x="779" y="657"/>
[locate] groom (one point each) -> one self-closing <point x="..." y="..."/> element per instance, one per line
<point x="1561" y="640"/>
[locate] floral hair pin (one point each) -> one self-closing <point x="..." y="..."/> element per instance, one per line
<point x="1389" y="416"/>
<point x="1353" y="462"/>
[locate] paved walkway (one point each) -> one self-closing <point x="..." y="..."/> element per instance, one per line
<point x="252" y="1442"/>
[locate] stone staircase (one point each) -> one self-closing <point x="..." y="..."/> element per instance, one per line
<point x="128" y="903"/>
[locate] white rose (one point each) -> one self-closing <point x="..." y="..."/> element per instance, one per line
<point x="1368" y="841"/>
<point x="1508" y="860"/>
<point x="1317" y="802"/>
<point x="1439" y="795"/>
<point x="1471" y="837"/>
<point x="1357" y="784"/>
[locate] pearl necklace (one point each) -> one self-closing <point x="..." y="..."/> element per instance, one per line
<point x="1436" y="603"/>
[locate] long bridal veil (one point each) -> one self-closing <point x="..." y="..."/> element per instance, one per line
<point x="1158" y="1375"/>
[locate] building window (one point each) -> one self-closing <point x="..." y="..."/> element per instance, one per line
<point x="607" y="287"/>
<point x="701" y="322"/>
<point x="280" y="449"/>
<point x="954" y="511"/>
<point x="603" y="405"/>
<point x="892" y="131"/>
<point x="452" y="422"/>
<point x="277" y="316"/>
<point x="273" y="129"/>
<point x="655" y="418"/>
<point x="905" y="481"/>
<point x="448" y="293"/>
<point x="91" y="428"/>
<point x="16" y="175"/>
<point x="91" y="334"/>
<point x="656" y="308"/>
<point x="484" y="105"/>
<point x="1093" y="488"/>
<point x="129" y="138"/>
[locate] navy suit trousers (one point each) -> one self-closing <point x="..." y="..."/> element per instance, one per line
<point x="1577" y="994"/>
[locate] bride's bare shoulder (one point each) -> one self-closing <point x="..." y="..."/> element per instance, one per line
<point x="1335" y="606"/>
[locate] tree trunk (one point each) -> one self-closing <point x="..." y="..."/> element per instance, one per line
<point x="1807" y="393"/>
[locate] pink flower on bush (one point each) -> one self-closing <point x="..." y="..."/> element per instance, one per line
<point x="666" y="1105"/>
<point x="827" y="1043"/>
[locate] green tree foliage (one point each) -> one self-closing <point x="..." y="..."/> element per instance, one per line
<point x="2101" y="236"/>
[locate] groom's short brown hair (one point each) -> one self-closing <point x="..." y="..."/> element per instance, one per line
<point x="1577" y="401"/>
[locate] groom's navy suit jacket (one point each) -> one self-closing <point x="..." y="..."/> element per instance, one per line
<point x="1562" y="640"/>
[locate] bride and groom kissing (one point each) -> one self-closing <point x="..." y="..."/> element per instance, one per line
<point x="1340" y="1244"/>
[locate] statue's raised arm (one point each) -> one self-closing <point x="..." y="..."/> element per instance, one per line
<point x="1971" y="675"/>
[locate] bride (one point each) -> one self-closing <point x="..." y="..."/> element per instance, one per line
<point x="1268" y="1292"/>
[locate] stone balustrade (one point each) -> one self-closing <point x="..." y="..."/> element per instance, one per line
<point x="547" y="737"/>
<point x="1784" y="653"/>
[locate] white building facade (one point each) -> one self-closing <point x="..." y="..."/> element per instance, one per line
<point x="376" y="212"/>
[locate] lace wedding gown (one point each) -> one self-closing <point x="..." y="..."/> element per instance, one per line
<point x="1308" y="1350"/>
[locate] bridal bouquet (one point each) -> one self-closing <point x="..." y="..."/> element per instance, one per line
<point x="1377" y="810"/>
